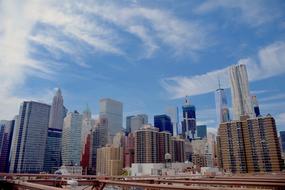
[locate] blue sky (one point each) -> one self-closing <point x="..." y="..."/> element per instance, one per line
<point x="146" y="54"/>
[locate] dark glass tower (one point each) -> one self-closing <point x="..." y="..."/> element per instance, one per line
<point x="163" y="123"/>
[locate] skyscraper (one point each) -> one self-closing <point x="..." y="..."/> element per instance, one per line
<point x="163" y="123"/>
<point x="282" y="139"/>
<point x="112" y="110"/>
<point x="87" y="123"/>
<point x="178" y="149"/>
<point x="222" y="110"/>
<point x="53" y="145"/>
<point x="135" y="122"/>
<point x="6" y="133"/>
<point x="255" y="106"/>
<point x="30" y="138"/>
<point x="98" y="139"/>
<point x="202" y="131"/>
<point x="189" y="120"/>
<point x="71" y="138"/>
<point x="241" y="98"/>
<point x="172" y="112"/>
<point x="249" y="145"/>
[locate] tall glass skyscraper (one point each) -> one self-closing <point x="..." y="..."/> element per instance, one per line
<point x="135" y="122"/>
<point x="6" y="133"/>
<point x="202" y="131"/>
<point x="163" y="123"/>
<point x="53" y="145"/>
<point x="172" y="112"/>
<point x="30" y="138"/>
<point x="241" y="98"/>
<point x="189" y="120"/>
<point x="282" y="139"/>
<point x="112" y="110"/>
<point x="71" y="138"/>
<point x="222" y="110"/>
<point x="255" y="106"/>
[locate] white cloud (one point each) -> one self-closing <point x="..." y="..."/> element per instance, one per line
<point x="270" y="62"/>
<point x="280" y="96"/>
<point x="254" y="13"/>
<point x="72" y="28"/>
<point x="280" y="121"/>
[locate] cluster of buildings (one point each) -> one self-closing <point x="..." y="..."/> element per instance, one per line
<point x="44" y="138"/>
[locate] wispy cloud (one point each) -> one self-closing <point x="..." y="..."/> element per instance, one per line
<point x="253" y="13"/>
<point x="270" y="62"/>
<point x="280" y="96"/>
<point x="74" y="29"/>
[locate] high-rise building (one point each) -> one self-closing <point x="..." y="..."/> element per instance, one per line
<point x="6" y="134"/>
<point x="249" y="145"/>
<point x="30" y="138"/>
<point x="135" y="122"/>
<point x="189" y="120"/>
<point x="163" y="123"/>
<point x="164" y="145"/>
<point x="112" y="110"/>
<point x="255" y="106"/>
<point x="71" y="139"/>
<point x="201" y="131"/>
<point x="109" y="161"/>
<point x="85" y="156"/>
<point x="282" y="139"/>
<point x="173" y="113"/>
<point x="222" y="109"/>
<point x="177" y="149"/>
<point x="98" y="139"/>
<point x="146" y="145"/>
<point x="129" y="150"/>
<point x="241" y="98"/>
<point x="52" y="159"/>
<point x="87" y="123"/>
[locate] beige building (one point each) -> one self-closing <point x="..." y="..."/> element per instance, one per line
<point x="109" y="160"/>
<point x="249" y="145"/>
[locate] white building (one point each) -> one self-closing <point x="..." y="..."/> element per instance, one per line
<point x="87" y="123"/>
<point x="241" y="98"/>
<point x="71" y="138"/>
<point x="112" y="110"/>
<point x="135" y="122"/>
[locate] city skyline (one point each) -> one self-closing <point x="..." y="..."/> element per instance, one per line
<point x="153" y="65"/>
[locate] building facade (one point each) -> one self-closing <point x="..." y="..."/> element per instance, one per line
<point x="135" y="122"/>
<point x="282" y="140"/>
<point x="53" y="145"/>
<point x="249" y="145"/>
<point x="112" y="110"/>
<point x="177" y="149"/>
<point x="109" y="161"/>
<point x="173" y="113"/>
<point x="255" y="106"/>
<point x="241" y="98"/>
<point x="223" y="113"/>
<point x="30" y="138"/>
<point x="163" y="123"/>
<point x="201" y="131"/>
<point x="71" y="139"/>
<point x="6" y="134"/>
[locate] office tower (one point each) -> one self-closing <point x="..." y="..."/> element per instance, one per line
<point x="222" y="110"/>
<point x="177" y="149"/>
<point x="71" y="138"/>
<point x="109" y="161"/>
<point x="282" y="139"/>
<point x="85" y="155"/>
<point x="201" y="131"/>
<point x="172" y="112"/>
<point x="6" y="134"/>
<point x="189" y="120"/>
<point x="112" y="110"/>
<point x="164" y="145"/>
<point x="241" y="99"/>
<point x="249" y="145"/>
<point x="146" y="145"/>
<point x="119" y="139"/>
<point x="163" y="123"/>
<point x="52" y="159"/>
<point x="129" y="150"/>
<point x="255" y="106"/>
<point x="135" y="122"/>
<point x="87" y="124"/>
<point x="98" y="139"/>
<point x="30" y="138"/>
<point x="211" y="138"/>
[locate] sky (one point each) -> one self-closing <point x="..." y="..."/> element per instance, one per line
<point x="147" y="54"/>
